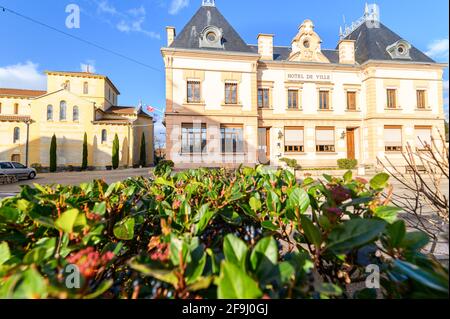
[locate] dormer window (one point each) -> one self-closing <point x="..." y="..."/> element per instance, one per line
<point x="211" y="37"/>
<point x="399" y="50"/>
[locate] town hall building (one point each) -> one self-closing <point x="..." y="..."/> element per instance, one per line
<point x="229" y="102"/>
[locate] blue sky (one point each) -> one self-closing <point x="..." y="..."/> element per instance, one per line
<point x="136" y="29"/>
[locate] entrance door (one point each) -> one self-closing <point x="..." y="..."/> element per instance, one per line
<point x="351" y="143"/>
<point x="264" y="145"/>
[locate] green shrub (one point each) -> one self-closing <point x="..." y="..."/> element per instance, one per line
<point x="84" y="163"/>
<point x="53" y="159"/>
<point x="115" y="152"/>
<point x="164" y="167"/>
<point x="346" y="163"/>
<point x="290" y="162"/>
<point x="143" y="152"/>
<point x="203" y="234"/>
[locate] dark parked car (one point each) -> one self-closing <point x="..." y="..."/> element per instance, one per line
<point x="17" y="169"/>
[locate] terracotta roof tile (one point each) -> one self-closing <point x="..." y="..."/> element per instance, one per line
<point x="113" y="121"/>
<point x="21" y="93"/>
<point x="14" y="118"/>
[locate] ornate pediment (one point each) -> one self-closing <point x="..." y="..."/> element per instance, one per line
<point x="306" y="45"/>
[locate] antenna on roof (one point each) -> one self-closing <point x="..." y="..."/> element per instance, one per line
<point x="208" y="3"/>
<point x="371" y="17"/>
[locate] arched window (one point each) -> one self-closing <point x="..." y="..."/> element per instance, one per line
<point x="16" y="136"/>
<point x="49" y="113"/>
<point x="62" y="111"/>
<point x="85" y="88"/>
<point x="104" y="136"/>
<point x="16" y="108"/>
<point x="76" y="114"/>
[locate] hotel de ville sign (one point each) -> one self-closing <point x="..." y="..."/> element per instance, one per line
<point x="313" y="77"/>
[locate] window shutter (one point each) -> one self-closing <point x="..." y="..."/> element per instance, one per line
<point x="393" y="136"/>
<point x="423" y="136"/>
<point x="293" y="137"/>
<point x="325" y="137"/>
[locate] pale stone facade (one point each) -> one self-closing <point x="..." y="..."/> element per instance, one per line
<point x="74" y="103"/>
<point x="302" y="102"/>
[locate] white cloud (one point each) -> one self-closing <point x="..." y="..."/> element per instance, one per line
<point x="89" y="65"/>
<point x="136" y="26"/>
<point x="438" y="49"/>
<point x="22" y="76"/>
<point x="128" y="21"/>
<point x="137" y="11"/>
<point x="105" y="7"/>
<point x="177" y="5"/>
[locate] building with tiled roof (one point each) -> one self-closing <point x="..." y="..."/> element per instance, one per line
<point x="230" y="102"/>
<point x="74" y="103"/>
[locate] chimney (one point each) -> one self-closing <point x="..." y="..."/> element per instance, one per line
<point x="347" y="52"/>
<point x="171" y="34"/>
<point x="265" y="46"/>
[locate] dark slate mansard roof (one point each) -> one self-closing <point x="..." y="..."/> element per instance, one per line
<point x="370" y="42"/>
<point x="206" y="16"/>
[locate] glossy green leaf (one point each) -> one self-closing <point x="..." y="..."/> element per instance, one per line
<point x="235" y="250"/>
<point x="5" y="253"/>
<point x="415" y="240"/>
<point x="387" y="213"/>
<point x="396" y="233"/>
<point x="379" y="181"/>
<point x="312" y="232"/>
<point x="234" y="283"/>
<point x="255" y="204"/>
<point x="426" y="278"/>
<point x="354" y="233"/>
<point x="264" y="256"/>
<point x="298" y="199"/>
<point x="67" y="220"/>
<point x="124" y="229"/>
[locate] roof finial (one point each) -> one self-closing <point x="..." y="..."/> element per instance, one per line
<point x="366" y="10"/>
<point x="341" y="33"/>
<point x="208" y="3"/>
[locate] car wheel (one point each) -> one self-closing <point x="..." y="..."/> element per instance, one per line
<point x="32" y="175"/>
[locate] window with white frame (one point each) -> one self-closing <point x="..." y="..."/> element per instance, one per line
<point x="193" y="91"/>
<point x="232" y="137"/>
<point x="293" y="99"/>
<point x="193" y="138"/>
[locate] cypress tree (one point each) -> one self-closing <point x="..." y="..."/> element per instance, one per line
<point x="143" y="155"/>
<point x="85" y="153"/>
<point x="53" y="163"/>
<point x="115" y="152"/>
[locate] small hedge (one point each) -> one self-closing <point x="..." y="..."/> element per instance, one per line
<point x="290" y="162"/>
<point x="206" y="234"/>
<point x="346" y="163"/>
<point x="163" y="167"/>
